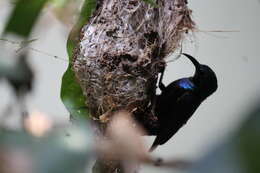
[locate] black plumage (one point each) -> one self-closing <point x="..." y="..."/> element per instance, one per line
<point x="180" y="99"/>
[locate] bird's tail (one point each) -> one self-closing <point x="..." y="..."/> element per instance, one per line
<point x="153" y="147"/>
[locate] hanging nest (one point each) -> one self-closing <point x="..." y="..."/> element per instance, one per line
<point x="121" y="51"/>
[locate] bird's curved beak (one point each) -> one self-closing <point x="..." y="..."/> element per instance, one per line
<point x="193" y="60"/>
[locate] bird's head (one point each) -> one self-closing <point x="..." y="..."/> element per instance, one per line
<point x="204" y="78"/>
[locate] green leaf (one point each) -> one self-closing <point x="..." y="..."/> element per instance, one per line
<point x="72" y="95"/>
<point x="71" y="92"/>
<point x="24" y="16"/>
<point x="248" y="142"/>
<point x="86" y="12"/>
<point x="152" y="3"/>
<point x="238" y="153"/>
<point x="59" y="3"/>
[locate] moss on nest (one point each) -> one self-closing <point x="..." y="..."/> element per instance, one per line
<point x="122" y="50"/>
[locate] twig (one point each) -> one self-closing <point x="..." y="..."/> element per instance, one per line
<point x="174" y="163"/>
<point x="218" y="30"/>
<point x="23" y="44"/>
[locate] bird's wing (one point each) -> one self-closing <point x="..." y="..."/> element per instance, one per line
<point x="183" y="109"/>
<point x="168" y="97"/>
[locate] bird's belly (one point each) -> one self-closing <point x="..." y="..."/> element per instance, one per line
<point x="176" y="114"/>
